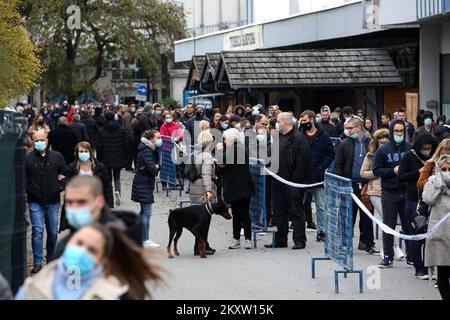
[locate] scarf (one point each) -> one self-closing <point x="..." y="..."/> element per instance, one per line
<point x="148" y="143"/>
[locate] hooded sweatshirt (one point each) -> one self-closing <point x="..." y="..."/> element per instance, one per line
<point x="387" y="158"/>
<point x="412" y="162"/>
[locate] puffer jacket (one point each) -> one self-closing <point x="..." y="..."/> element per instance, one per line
<point x="374" y="184"/>
<point x="146" y="172"/>
<point x="112" y="145"/>
<point x="204" y="163"/>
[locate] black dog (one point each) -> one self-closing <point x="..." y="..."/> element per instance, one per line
<point x="195" y="219"/>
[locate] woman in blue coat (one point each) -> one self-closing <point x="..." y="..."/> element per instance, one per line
<point x="147" y="168"/>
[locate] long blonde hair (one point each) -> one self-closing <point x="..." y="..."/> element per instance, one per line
<point x="443" y="146"/>
<point x="374" y="144"/>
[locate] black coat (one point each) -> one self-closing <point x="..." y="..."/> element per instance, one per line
<point x="344" y="157"/>
<point x="235" y="172"/>
<point x="80" y="130"/>
<point x="112" y="145"/>
<point x="146" y="172"/>
<point x="64" y="140"/>
<point x="99" y="171"/>
<point x="41" y="177"/>
<point x="322" y="156"/>
<point x="92" y="131"/>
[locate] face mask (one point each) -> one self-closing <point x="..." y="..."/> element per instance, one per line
<point x="208" y="107"/>
<point x="347" y="119"/>
<point x="441" y="123"/>
<point x="277" y="126"/>
<point x="347" y="133"/>
<point x="84" y="156"/>
<point x="425" y="153"/>
<point x="159" y="143"/>
<point x="355" y="136"/>
<point x="133" y="110"/>
<point x="77" y="257"/>
<point x="79" y="217"/>
<point x="199" y="114"/>
<point x="158" y="113"/>
<point x="306" y="126"/>
<point x="446" y="176"/>
<point x="41" y="123"/>
<point x="399" y="139"/>
<point x="261" y="137"/>
<point x="169" y="120"/>
<point x="116" y="117"/>
<point x="224" y="126"/>
<point x="325" y="120"/>
<point x="40" y="146"/>
<point x="428" y="122"/>
<point x="318" y="119"/>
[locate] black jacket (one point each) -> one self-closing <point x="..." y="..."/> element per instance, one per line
<point x="99" y="171"/>
<point x="92" y="131"/>
<point x="41" y="176"/>
<point x="344" y="157"/>
<point x="329" y="128"/>
<point x="294" y="157"/>
<point x="145" y="123"/>
<point x="132" y="223"/>
<point x="146" y="172"/>
<point x="80" y="130"/>
<point x="322" y="155"/>
<point x="411" y="163"/>
<point x="234" y="171"/>
<point x="112" y="144"/>
<point x="387" y="158"/>
<point x="64" y="140"/>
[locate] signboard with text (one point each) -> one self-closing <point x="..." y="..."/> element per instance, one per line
<point x="244" y="39"/>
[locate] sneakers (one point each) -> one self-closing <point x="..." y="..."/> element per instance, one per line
<point x="320" y="237"/>
<point x="151" y="244"/>
<point x="269" y="246"/>
<point x="242" y="232"/>
<point x="362" y="246"/>
<point x="118" y="198"/>
<point x="248" y="244"/>
<point x="36" y="269"/>
<point x="387" y="262"/>
<point x="409" y="261"/>
<point x="299" y="245"/>
<point x="398" y="253"/>
<point x="235" y="244"/>
<point x="422" y="275"/>
<point x="311" y="226"/>
<point x="372" y="250"/>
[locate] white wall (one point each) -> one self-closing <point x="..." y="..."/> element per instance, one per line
<point x="430" y="49"/>
<point x="232" y="10"/>
<point x="397" y="11"/>
<point x="177" y="87"/>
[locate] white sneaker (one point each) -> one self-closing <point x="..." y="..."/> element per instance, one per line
<point x="248" y="244"/>
<point x="151" y="244"/>
<point x="399" y="255"/>
<point x="235" y="244"/>
<point x="242" y="232"/>
<point x="118" y="198"/>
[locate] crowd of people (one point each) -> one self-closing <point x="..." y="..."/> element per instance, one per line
<point x="81" y="150"/>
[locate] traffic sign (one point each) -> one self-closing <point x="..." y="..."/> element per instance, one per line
<point x="142" y="90"/>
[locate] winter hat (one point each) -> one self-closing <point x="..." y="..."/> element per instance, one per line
<point x="148" y="107"/>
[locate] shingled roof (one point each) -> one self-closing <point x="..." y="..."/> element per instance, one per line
<point x="209" y="72"/>
<point x="195" y="72"/>
<point x="307" y="68"/>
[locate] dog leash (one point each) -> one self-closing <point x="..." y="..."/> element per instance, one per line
<point x="207" y="208"/>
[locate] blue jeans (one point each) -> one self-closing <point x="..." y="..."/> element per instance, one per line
<point x="146" y="215"/>
<point x="319" y="199"/>
<point x="40" y="215"/>
<point x="415" y="248"/>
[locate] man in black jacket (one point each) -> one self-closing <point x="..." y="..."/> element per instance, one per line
<point x="85" y="204"/>
<point x="294" y="164"/>
<point x="45" y="170"/>
<point x="322" y="155"/>
<point x="64" y="140"/>
<point x="91" y="128"/>
<point x="79" y="128"/>
<point x="350" y="156"/>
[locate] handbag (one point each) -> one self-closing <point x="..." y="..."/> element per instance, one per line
<point x="365" y="198"/>
<point x="421" y="217"/>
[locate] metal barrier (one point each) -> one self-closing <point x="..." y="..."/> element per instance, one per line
<point x="339" y="228"/>
<point x="258" y="211"/>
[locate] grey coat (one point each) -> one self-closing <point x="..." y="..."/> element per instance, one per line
<point x="204" y="163"/>
<point x="437" y="248"/>
<point x="5" y="291"/>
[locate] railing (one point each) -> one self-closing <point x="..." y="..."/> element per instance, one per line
<point x="198" y="31"/>
<point x="430" y="8"/>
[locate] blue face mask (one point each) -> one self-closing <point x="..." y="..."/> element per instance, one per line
<point x="277" y="126"/>
<point x="428" y="122"/>
<point x="169" y="120"/>
<point x="84" y="156"/>
<point x="77" y="257"/>
<point x="224" y="126"/>
<point x="261" y="137"/>
<point x="399" y="139"/>
<point x="133" y="110"/>
<point x="79" y="217"/>
<point x="40" y="146"/>
<point x="355" y="136"/>
<point x="159" y="143"/>
<point x="158" y="113"/>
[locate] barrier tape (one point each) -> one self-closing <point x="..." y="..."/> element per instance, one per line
<point x="394" y="233"/>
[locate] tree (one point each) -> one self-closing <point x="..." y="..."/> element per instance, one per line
<point x="143" y="30"/>
<point x="20" y="67"/>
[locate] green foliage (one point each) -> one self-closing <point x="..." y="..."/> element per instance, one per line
<point x="169" y="102"/>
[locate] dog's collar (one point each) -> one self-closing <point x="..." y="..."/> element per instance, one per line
<point x="207" y="208"/>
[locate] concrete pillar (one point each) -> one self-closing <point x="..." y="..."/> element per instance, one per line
<point x="430" y="49"/>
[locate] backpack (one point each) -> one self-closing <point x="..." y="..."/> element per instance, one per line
<point x="190" y="170"/>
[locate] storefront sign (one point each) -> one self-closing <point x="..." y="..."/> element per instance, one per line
<point x="244" y="39"/>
